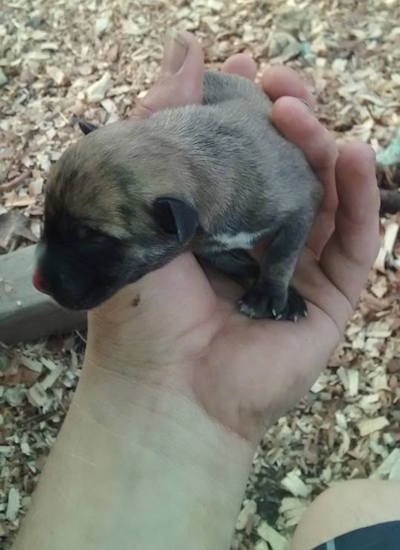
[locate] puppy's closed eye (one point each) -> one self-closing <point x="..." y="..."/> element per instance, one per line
<point x="80" y="234"/>
<point x="84" y="232"/>
<point x="86" y="238"/>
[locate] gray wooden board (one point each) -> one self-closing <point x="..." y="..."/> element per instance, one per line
<point x="25" y="313"/>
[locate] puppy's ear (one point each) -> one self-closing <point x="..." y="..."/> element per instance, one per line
<point x="86" y="127"/>
<point x="176" y="217"/>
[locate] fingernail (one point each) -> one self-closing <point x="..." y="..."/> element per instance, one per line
<point x="175" y="51"/>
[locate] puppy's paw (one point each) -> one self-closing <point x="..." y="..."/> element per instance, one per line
<point x="296" y="307"/>
<point x="261" y="303"/>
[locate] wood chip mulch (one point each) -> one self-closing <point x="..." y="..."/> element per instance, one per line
<point x="65" y="59"/>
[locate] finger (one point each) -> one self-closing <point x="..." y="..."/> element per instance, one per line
<point x="241" y="64"/>
<point x="181" y="76"/>
<point x="296" y="122"/>
<point x="352" y="249"/>
<point x="283" y="81"/>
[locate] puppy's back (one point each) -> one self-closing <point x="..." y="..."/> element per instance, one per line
<point x="220" y="87"/>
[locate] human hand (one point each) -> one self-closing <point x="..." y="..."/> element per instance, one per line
<point x="180" y="329"/>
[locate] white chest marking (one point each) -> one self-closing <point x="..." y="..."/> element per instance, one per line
<point x="240" y="240"/>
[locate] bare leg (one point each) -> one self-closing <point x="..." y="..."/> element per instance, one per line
<point x="345" y="507"/>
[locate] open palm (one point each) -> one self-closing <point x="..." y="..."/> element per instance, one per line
<point x="180" y="328"/>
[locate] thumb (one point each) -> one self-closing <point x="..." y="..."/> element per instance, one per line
<point x="181" y="77"/>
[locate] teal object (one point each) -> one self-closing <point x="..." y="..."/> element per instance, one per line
<point x="391" y="154"/>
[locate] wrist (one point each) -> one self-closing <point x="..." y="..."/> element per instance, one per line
<point x="137" y="462"/>
<point x="162" y="409"/>
<point x="184" y="469"/>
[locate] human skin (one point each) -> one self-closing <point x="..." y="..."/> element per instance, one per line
<point x="345" y="507"/>
<point x="178" y="387"/>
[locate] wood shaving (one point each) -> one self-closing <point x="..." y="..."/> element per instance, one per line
<point x="63" y="60"/>
<point x="13" y="504"/>
<point x="370" y="425"/>
<point x="271" y="536"/>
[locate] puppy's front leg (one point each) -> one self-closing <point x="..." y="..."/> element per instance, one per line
<point x="272" y="297"/>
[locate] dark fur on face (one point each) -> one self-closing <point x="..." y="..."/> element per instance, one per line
<point x="97" y="235"/>
<point x="89" y="249"/>
<point x="211" y="178"/>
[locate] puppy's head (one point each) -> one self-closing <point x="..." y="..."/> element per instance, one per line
<point x="109" y="217"/>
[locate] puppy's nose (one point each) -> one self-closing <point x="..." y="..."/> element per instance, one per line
<point x="38" y="282"/>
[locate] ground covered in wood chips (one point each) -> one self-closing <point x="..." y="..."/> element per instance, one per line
<point x="61" y="59"/>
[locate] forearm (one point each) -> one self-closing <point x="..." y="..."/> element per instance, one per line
<point x="138" y="465"/>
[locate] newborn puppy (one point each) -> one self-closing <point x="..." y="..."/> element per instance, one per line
<point x="213" y="179"/>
